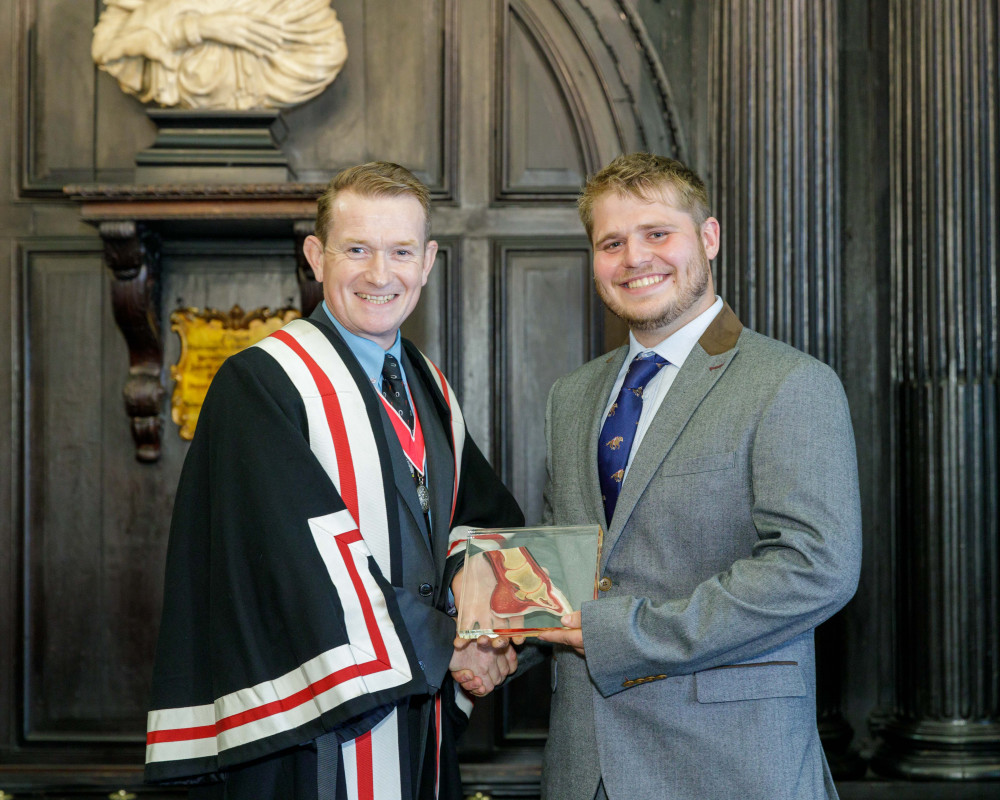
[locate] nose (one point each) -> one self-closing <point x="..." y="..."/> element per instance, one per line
<point x="378" y="269"/>
<point x="636" y="253"/>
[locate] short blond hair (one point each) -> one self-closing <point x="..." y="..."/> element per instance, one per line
<point x="374" y="179"/>
<point x="643" y="175"/>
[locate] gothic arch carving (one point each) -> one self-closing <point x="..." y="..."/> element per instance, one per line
<point x="570" y="75"/>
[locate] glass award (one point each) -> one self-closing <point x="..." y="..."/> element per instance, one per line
<point x="520" y="581"/>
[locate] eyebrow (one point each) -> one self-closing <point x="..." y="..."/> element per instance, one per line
<point x="646" y="226"/>
<point x="355" y="240"/>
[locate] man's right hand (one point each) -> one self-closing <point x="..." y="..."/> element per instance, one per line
<point x="480" y="665"/>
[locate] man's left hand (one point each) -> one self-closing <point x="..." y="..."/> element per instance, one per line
<point x="571" y="634"/>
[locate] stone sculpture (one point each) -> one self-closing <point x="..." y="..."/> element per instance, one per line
<point x="220" y="54"/>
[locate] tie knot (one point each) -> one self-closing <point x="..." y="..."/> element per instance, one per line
<point x="642" y="369"/>
<point x="390" y="368"/>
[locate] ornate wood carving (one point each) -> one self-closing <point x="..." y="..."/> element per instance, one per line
<point x="131" y="252"/>
<point x="131" y="219"/>
<point x="774" y="184"/>
<point x="569" y="79"/>
<point x="944" y="101"/>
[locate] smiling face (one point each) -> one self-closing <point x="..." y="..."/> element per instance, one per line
<point x="651" y="262"/>
<point x="374" y="262"/>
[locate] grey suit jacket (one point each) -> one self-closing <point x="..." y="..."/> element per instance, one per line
<point x="737" y="531"/>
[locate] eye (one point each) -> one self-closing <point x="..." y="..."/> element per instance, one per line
<point x="658" y="235"/>
<point x="613" y="245"/>
<point x="356" y="251"/>
<point x="404" y="253"/>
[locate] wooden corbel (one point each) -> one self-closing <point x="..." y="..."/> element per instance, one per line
<point x="132" y="253"/>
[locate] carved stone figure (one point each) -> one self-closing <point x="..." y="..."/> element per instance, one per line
<point x="220" y="54"/>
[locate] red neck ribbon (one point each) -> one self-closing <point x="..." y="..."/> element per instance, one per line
<point x="412" y="441"/>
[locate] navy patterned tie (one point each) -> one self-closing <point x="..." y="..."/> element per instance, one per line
<point x="394" y="391"/>
<point x="618" y="432"/>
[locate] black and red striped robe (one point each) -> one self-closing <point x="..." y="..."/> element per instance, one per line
<point x="281" y="631"/>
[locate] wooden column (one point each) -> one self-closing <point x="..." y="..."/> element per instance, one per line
<point x="774" y="177"/>
<point x="774" y="183"/>
<point x="945" y="203"/>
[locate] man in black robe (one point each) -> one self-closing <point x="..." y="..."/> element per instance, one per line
<point x="306" y="643"/>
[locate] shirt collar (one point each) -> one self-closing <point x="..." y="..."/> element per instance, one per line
<point x="369" y="354"/>
<point x="678" y="346"/>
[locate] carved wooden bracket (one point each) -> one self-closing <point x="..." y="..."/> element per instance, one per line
<point x="132" y="220"/>
<point x="132" y="253"/>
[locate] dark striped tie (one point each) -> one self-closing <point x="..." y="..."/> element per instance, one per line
<point x="394" y="391"/>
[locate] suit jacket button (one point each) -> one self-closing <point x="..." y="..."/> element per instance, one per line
<point x="604" y="584"/>
<point x="426" y="590"/>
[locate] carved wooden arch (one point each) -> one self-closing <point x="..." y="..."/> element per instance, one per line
<point x="597" y="62"/>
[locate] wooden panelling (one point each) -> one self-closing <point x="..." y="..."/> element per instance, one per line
<point x="11" y="572"/>
<point x="57" y="89"/>
<point x="542" y="148"/>
<point x="64" y="546"/>
<point x="122" y="130"/>
<point x="577" y="84"/>
<point x="328" y="133"/>
<point x="393" y="100"/>
<point x="435" y="325"/>
<point x="89" y="538"/>
<point x="548" y="323"/>
<point x="410" y="113"/>
<point x="219" y="274"/>
<point x="639" y="89"/>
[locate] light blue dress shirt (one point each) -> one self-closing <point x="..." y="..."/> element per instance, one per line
<point x="370" y="354"/>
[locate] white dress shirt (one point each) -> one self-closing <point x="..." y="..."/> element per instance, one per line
<point x="675" y="349"/>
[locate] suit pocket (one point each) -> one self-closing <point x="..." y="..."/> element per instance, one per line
<point x="690" y="466"/>
<point x="750" y="682"/>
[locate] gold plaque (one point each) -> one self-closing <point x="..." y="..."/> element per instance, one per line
<point x="208" y="338"/>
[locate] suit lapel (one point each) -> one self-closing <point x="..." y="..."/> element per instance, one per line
<point x="593" y="409"/>
<point x="704" y="366"/>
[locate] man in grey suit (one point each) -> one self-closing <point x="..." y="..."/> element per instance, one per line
<point x="722" y="464"/>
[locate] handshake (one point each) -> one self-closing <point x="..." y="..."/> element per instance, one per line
<point x="481" y="665"/>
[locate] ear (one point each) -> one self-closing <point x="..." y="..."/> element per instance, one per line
<point x="313" y="249"/>
<point x="710" y="237"/>
<point x="430" y="254"/>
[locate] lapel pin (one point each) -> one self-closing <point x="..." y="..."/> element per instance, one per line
<point x="716" y="366"/>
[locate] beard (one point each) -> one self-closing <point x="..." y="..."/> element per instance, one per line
<point x="690" y="290"/>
